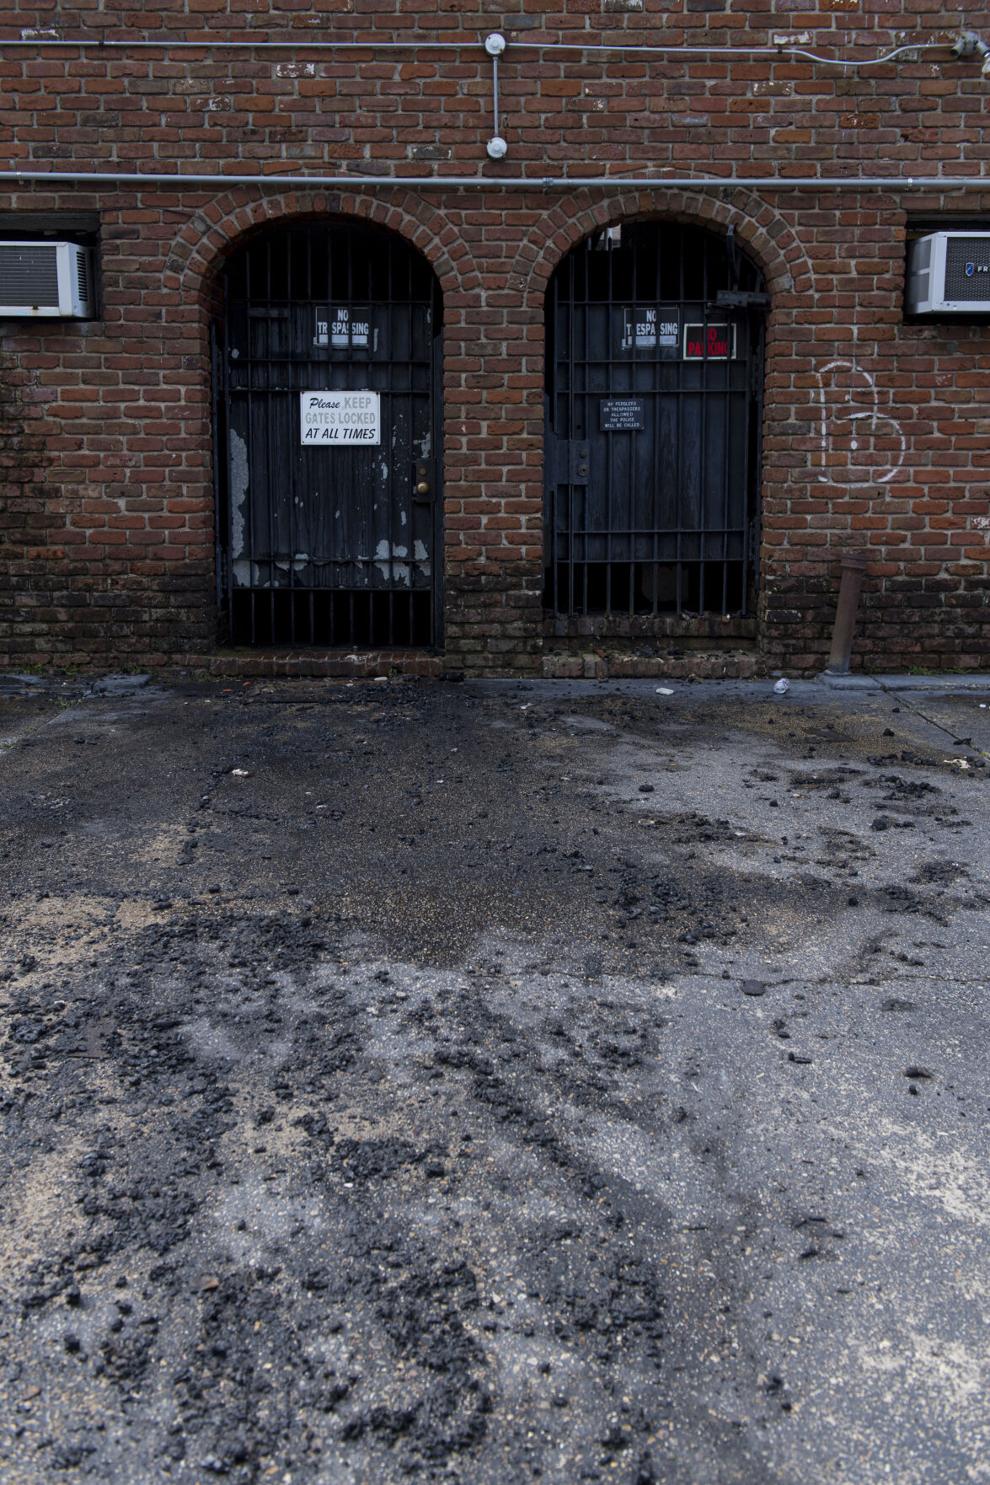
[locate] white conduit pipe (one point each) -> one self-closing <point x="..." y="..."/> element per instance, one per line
<point x="518" y="182"/>
<point x="425" y="44"/>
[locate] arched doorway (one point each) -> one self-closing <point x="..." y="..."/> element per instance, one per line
<point x="653" y="411"/>
<point x="327" y="424"/>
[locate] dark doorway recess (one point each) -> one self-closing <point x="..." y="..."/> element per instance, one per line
<point x="328" y="504"/>
<point x="654" y="394"/>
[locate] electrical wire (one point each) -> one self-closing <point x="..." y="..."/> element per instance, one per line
<point x="743" y="51"/>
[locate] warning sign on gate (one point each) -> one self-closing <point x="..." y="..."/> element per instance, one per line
<point x="621" y="415"/>
<point x="652" y="327"/>
<point x="338" y="418"/>
<point x="709" y="342"/>
<point x="344" y="328"/>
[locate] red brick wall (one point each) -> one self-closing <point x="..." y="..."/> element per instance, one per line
<point x="106" y="526"/>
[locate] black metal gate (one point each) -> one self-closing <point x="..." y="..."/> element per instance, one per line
<point x="654" y="366"/>
<point x="326" y="369"/>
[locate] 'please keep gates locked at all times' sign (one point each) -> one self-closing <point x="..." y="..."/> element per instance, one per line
<point x="334" y="419"/>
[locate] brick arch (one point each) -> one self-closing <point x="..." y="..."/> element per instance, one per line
<point x="217" y="229"/>
<point x="759" y="229"/>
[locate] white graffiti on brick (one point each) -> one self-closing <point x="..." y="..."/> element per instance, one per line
<point x="851" y="423"/>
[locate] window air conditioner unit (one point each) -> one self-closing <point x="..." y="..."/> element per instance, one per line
<point x="949" y="273"/>
<point x="50" y="280"/>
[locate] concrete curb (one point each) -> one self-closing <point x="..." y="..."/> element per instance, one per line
<point x="944" y="684"/>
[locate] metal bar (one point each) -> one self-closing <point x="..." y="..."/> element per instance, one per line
<point x="756" y="406"/>
<point x="248" y="525"/>
<point x="703" y="451"/>
<point x="672" y="530"/>
<point x="219" y="390"/>
<point x="571" y="420"/>
<point x="269" y="460"/>
<point x="322" y="375"/>
<point x="656" y="474"/>
<point x="293" y="533"/>
<point x="389" y="422"/>
<point x="221" y="547"/>
<point x="609" y="445"/>
<point x="975" y="182"/>
<point x="553" y="541"/>
<point x="679" y="436"/>
<point x="853" y="570"/>
<point x="726" y="460"/>
<point x="309" y="334"/>
<point x="726" y="435"/>
<point x="752" y="348"/>
<point x="581" y="404"/>
<point x="437" y="573"/>
<point x="632" y="483"/>
<point x="567" y="546"/>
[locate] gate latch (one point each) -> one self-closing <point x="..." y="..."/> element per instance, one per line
<point x="568" y="460"/>
<point x="741" y="299"/>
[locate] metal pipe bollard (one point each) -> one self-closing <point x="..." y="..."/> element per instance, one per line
<point x="850" y="583"/>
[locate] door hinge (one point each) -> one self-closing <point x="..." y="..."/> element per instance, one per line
<point x="568" y="460"/>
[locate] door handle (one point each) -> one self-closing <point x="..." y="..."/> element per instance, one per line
<point x="422" y="485"/>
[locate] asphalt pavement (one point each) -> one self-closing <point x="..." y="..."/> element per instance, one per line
<point x="494" y="1082"/>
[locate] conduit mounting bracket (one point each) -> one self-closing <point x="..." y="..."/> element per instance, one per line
<point x="496" y="148"/>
